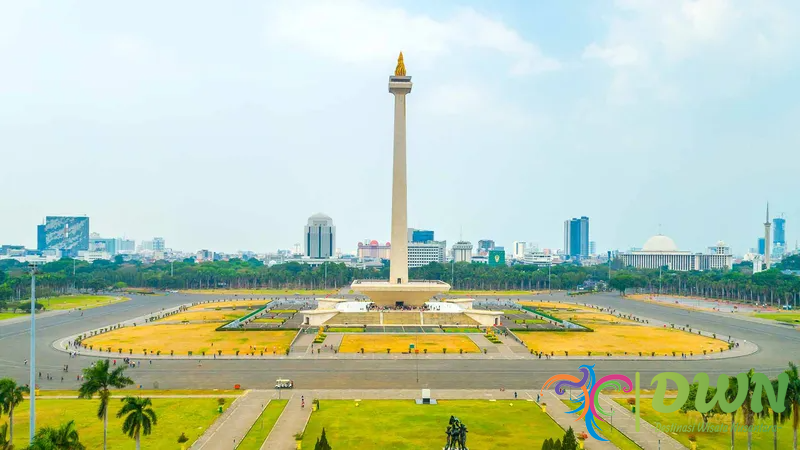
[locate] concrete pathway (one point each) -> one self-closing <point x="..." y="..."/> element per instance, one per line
<point x="230" y="428"/>
<point x="292" y="420"/>
<point x="648" y="436"/>
<point x="558" y="411"/>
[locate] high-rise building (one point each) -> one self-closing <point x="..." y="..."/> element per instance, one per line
<point x="101" y="244"/>
<point x="421" y="235"/>
<point x="423" y="253"/>
<point x="576" y="237"/>
<point x="584" y="236"/>
<point x="519" y="249"/>
<point x="484" y="245"/>
<point x="780" y="231"/>
<point x="567" y="236"/>
<point x="762" y="246"/>
<point x="125" y="246"/>
<point x="592" y="247"/>
<point x="66" y="233"/>
<point x="41" y="237"/>
<point x="320" y="237"/>
<point x="462" y="251"/>
<point x="158" y="244"/>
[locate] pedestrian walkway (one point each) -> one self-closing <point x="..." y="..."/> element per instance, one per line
<point x="230" y="428"/>
<point x="558" y="411"/>
<point x="648" y="437"/>
<point x="292" y="420"/>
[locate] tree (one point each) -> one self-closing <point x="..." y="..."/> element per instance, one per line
<point x="569" y="442"/>
<point x="557" y="444"/>
<point x="780" y="417"/>
<point x="690" y="404"/>
<point x="64" y="437"/>
<point x="793" y="395"/>
<point x="5" y="441"/>
<point x="98" y="380"/>
<point x="10" y="398"/>
<point x="140" y="417"/>
<point x="731" y="394"/>
<point x="747" y="408"/>
<point x="322" y="442"/>
<point x="547" y="444"/>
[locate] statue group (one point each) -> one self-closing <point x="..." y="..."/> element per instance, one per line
<point x="456" y="435"/>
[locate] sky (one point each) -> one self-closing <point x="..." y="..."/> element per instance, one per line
<point x="225" y="126"/>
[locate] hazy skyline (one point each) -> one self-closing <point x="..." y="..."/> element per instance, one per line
<point x="227" y="126"/>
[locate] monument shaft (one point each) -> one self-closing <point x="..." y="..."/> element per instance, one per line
<point x="400" y="86"/>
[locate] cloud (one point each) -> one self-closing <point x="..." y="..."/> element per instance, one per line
<point x="355" y="31"/>
<point x="652" y="44"/>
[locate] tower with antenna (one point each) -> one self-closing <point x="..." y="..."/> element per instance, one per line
<point x="767" y="229"/>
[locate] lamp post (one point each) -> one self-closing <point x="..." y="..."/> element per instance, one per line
<point x="32" y="267"/>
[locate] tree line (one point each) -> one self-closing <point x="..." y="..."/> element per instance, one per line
<point x="68" y="275"/>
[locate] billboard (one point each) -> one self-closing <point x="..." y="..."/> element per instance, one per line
<point x="497" y="257"/>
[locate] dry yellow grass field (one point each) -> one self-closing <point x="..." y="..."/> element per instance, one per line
<point x="191" y="337"/>
<point x="619" y="339"/>
<point x="239" y="304"/>
<point x="592" y="317"/>
<point x="225" y="315"/>
<point x="378" y="343"/>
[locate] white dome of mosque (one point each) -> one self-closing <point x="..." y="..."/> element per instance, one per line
<point x="660" y="243"/>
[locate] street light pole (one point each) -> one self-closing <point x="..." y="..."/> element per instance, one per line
<point x="32" y="267"/>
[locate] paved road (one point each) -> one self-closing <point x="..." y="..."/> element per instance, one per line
<point x="777" y="345"/>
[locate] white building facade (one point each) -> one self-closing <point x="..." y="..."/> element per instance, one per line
<point x="661" y="251"/>
<point x="462" y="251"/>
<point x="319" y="238"/>
<point x="423" y="253"/>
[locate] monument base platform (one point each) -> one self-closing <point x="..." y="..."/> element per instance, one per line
<point x="413" y="293"/>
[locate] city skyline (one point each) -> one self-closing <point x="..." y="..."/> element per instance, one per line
<point x="157" y="138"/>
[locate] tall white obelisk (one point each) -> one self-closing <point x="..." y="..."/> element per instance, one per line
<point x="767" y="227"/>
<point x="400" y="86"/>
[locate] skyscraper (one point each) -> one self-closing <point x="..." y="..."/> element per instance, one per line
<point x="421" y="236"/>
<point x="584" y="221"/>
<point x="576" y="237"/>
<point x="320" y="236"/>
<point x="780" y="231"/>
<point x="761" y="246"/>
<point x="484" y="245"/>
<point x="158" y="244"/>
<point x="66" y="233"/>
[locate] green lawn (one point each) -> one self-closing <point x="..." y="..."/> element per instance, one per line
<point x="713" y="440"/>
<point x="281" y="311"/>
<point x="8" y="315"/>
<point x="175" y="416"/>
<point x="530" y="321"/>
<point x="612" y="434"/>
<point x="513" y="311"/>
<point x="780" y="317"/>
<point x="404" y="425"/>
<point x="345" y="330"/>
<point x="269" y="320"/>
<point x="260" y="430"/>
<point x="461" y="330"/>
<point x="78" y="301"/>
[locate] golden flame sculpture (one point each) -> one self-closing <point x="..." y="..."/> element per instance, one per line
<point x="400" y="70"/>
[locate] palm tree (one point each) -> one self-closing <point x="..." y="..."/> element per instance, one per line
<point x="793" y="396"/>
<point x="98" y="380"/>
<point x="778" y="417"/>
<point x="731" y="395"/>
<point x="747" y="408"/>
<point x="64" y="437"/>
<point x="10" y="398"/>
<point x="140" y="417"/>
<point x="5" y="442"/>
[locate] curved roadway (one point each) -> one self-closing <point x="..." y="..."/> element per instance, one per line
<point x="777" y="345"/>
